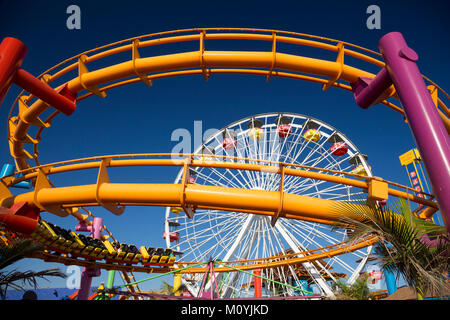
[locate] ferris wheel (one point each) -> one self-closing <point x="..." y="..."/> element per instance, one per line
<point x="235" y="236"/>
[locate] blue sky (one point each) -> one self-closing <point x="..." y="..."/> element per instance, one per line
<point x="138" y="119"/>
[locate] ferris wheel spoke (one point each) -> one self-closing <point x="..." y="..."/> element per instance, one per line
<point x="242" y="236"/>
<point x="234" y="176"/>
<point x="210" y="178"/>
<point x="300" y="144"/>
<point x="315" y="149"/>
<point x="326" y="190"/>
<point x="194" y="236"/>
<point x="354" y="194"/>
<point x="329" y="241"/>
<point x="242" y="154"/>
<point x="308" y="182"/>
<point x="313" y="236"/>
<point x="331" y="166"/>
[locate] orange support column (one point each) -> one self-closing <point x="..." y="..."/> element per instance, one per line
<point x="257" y="273"/>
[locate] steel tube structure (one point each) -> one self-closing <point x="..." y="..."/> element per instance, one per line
<point x="426" y="126"/>
<point x="264" y="166"/>
<point x="35" y="86"/>
<point x="400" y="69"/>
<point x="201" y="196"/>
<point x="12" y="54"/>
<point x="329" y="73"/>
<point x="265" y="265"/>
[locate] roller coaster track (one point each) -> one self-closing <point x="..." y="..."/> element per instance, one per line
<point x="263" y="263"/>
<point x="78" y="79"/>
<point x="68" y="200"/>
<point x="64" y="200"/>
<point x="86" y="83"/>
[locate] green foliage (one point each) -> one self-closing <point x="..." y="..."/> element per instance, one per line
<point x="169" y="289"/>
<point x="401" y="248"/>
<point x="357" y="291"/>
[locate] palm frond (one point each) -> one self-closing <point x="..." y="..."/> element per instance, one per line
<point x="18" y="280"/>
<point x="401" y="247"/>
<point x="17" y="250"/>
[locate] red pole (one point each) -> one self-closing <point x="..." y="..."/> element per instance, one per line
<point x="12" y="53"/>
<point x="44" y="92"/>
<point x="257" y="273"/>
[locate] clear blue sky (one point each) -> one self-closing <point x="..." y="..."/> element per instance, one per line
<point x="138" y="119"/>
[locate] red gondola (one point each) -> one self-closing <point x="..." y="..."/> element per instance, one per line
<point x="173" y="236"/>
<point x="283" y="126"/>
<point x="338" y="147"/>
<point x="229" y="141"/>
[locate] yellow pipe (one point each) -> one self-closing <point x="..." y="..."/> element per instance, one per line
<point x="235" y="166"/>
<point x="231" y="199"/>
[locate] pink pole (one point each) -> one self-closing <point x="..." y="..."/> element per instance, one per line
<point x="423" y="118"/>
<point x="88" y="274"/>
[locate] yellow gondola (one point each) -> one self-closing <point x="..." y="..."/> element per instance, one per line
<point x="256" y="132"/>
<point x="312" y="135"/>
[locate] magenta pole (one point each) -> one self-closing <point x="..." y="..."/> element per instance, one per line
<point x="427" y="128"/>
<point x="87" y="274"/>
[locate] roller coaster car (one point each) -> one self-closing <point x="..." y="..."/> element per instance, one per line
<point x="48" y="232"/>
<point x="171" y="260"/>
<point x="41" y="233"/>
<point x="66" y="234"/>
<point x="88" y="244"/>
<point x="108" y="245"/>
<point x="144" y="254"/>
<point x="155" y="255"/>
<point x="132" y="253"/>
<point x="51" y="238"/>
<point x="98" y="248"/>
<point x="121" y="253"/>
<point x="79" y="244"/>
<point x="173" y="256"/>
<point x="165" y="255"/>
<point x="65" y="240"/>
<point x="113" y="250"/>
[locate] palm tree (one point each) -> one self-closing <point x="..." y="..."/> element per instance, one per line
<point x="357" y="291"/>
<point x="170" y="290"/>
<point x="401" y="247"/>
<point x="166" y="287"/>
<point x="13" y="252"/>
